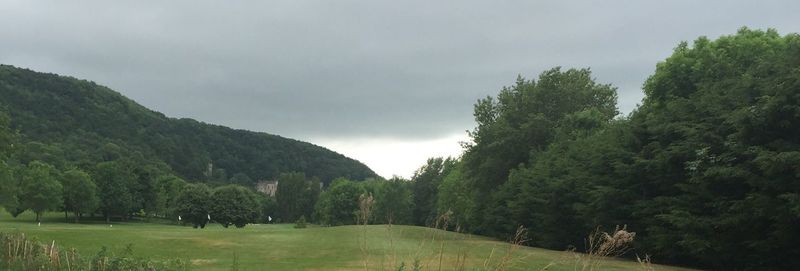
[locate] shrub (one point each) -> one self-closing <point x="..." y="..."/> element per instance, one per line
<point x="301" y="223"/>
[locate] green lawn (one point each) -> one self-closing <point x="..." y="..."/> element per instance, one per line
<point x="281" y="247"/>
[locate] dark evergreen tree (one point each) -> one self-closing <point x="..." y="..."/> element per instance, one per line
<point x="296" y="196"/>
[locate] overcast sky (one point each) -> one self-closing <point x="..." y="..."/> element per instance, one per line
<point x="388" y="83"/>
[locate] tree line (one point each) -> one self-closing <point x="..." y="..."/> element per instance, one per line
<point x="705" y="170"/>
<point x="122" y="187"/>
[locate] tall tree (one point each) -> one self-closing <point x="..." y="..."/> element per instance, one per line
<point x="522" y="119"/>
<point x="234" y="205"/>
<point x="720" y="123"/>
<point x="515" y="127"/>
<point x="80" y="193"/>
<point x="194" y="205"/>
<point x="339" y="204"/>
<point x="296" y="196"/>
<point x="143" y="184"/>
<point x="169" y="188"/>
<point x="113" y="182"/>
<point x="9" y="182"/>
<point x="425" y="185"/>
<point x="41" y="191"/>
<point x="268" y="207"/>
<point x="394" y="202"/>
<point x="9" y="188"/>
<point x="8" y="137"/>
<point x="455" y="197"/>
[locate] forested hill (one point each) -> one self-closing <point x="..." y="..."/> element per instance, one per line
<point x="63" y="120"/>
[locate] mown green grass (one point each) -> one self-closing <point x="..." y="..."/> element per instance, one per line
<point x="281" y="247"/>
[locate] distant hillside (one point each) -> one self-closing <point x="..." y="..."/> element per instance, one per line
<point x="86" y="121"/>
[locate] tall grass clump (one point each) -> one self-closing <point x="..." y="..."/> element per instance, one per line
<point x="20" y="253"/>
<point x="601" y="246"/>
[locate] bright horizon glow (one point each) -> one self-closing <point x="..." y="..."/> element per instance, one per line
<point x="389" y="157"/>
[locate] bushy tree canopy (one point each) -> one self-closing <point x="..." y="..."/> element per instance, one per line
<point x="80" y="193"/>
<point x="113" y="182"/>
<point x="41" y="190"/>
<point x="194" y="204"/>
<point x="339" y="204"/>
<point x="425" y="187"/>
<point x="234" y="205"/>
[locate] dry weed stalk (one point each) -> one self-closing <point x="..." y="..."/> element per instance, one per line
<point x="365" y="203"/>
<point x="602" y="245"/>
<point x="393" y="255"/>
<point x="30" y="253"/>
<point x="520" y="238"/>
<point x="443" y="221"/>
<point x="461" y="258"/>
<point x="435" y="245"/>
<point x="645" y="263"/>
<point x="509" y="259"/>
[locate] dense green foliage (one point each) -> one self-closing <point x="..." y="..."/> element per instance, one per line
<point x="721" y="122"/>
<point x="8" y="185"/>
<point x="705" y="170"/>
<point x="339" y="204"/>
<point x="40" y="189"/>
<point x="234" y="205"/>
<point x="80" y="193"/>
<point x="75" y="118"/>
<point x="169" y="188"/>
<point x="194" y="205"/>
<point x="114" y="183"/>
<point x="425" y="184"/>
<point x="454" y="197"/>
<point x="393" y="201"/>
<point x="296" y="196"/>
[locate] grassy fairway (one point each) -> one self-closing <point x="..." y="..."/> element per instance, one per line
<point x="281" y="247"/>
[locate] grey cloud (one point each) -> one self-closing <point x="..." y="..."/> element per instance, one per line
<point x="355" y="69"/>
